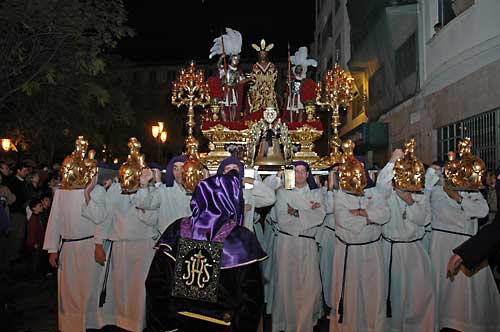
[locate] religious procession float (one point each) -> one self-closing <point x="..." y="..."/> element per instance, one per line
<point x="253" y="127"/>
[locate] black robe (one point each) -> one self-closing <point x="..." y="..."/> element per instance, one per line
<point x="484" y="245"/>
<point x="241" y="294"/>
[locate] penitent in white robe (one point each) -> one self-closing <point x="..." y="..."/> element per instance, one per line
<point x="297" y="294"/>
<point x="269" y="265"/>
<point x="172" y="203"/>
<point x="131" y="231"/>
<point x="365" y="276"/>
<point x="412" y="291"/>
<point x="78" y="273"/>
<point x="270" y="233"/>
<point x="472" y="303"/>
<point x="259" y="196"/>
<point x="326" y="239"/>
<point x="431" y="180"/>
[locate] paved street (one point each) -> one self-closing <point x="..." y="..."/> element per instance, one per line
<point x="33" y="307"/>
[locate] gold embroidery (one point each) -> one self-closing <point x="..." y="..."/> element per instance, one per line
<point x="197" y="269"/>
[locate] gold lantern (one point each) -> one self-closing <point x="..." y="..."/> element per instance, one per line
<point x="351" y="171"/>
<point x="467" y="173"/>
<point x="130" y="171"/>
<point x="409" y="172"/>
<point x="76" y="170"/>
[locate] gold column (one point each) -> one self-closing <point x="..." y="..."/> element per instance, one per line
<point x="190" y="90"/>
<point x="338" y="92"/>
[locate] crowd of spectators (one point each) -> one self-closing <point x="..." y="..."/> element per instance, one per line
<point x="26" y="191"/>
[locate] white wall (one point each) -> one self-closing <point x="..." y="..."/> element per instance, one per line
<point x="468" y="42"/>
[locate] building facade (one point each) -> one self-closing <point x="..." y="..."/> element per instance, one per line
<point x="331" y="36"/>
<point x="416" y="78"/>
<point x="459" y="95"/>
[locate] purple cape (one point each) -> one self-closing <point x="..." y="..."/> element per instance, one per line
<point x="310" y="178"/>
<point x="169" y="172"/>
<point x="218" y="210"/>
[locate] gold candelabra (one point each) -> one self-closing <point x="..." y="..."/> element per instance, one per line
<point x="190" y="90"/>
<point x="338" y="91"/>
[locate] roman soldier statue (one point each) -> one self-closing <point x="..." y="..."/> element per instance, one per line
<point x="299" y="88"/>
<point x="230" y="76"/>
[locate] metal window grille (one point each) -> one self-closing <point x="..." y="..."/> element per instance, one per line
<point x="484" y="131"/>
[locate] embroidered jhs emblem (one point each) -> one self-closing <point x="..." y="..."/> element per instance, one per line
<point x="197" y="270"/>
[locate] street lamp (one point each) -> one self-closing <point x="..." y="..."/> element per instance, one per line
<point x="160" y="136"/>
<point x="163" y="136"/>
<point x="6" y="144"/>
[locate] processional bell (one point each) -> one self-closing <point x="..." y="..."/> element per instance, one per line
<point x="269" y="154"/>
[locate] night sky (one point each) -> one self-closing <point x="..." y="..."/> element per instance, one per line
<point x="169" y="32"/>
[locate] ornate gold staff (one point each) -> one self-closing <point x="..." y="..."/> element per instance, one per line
<point x="338" y="92"/>
<point x="191" y="90"/>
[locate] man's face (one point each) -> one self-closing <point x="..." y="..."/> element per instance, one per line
<point x="235" y="60"/>
<point x="4" y="169"/>
<point x="262" y="55"/>
<point x="177" y="171"/>
<point x="230" y="167"/>
<point x="46" y="202"/>
<point x="300" y="175"/>
<point x="23" y="172"/>
<point x="298" y="70"/>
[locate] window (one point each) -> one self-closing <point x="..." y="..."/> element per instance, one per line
<point x="449" y="9"/>
<point x="329" y="65"/>
<point x="321" y="4"/>
<point x="337" y="6"/>
<point x="356" y="107"/>
<point x="327" y="31"/>
<point x="171" y="75"/>
<point x="338" y="49"/>
<point x="406" y="58"/>
<point x="135" y="77"/>
<point x="482" y="129"/>
<point x="152" y="76"/>
<point x="445" y="12"/>
<point x="376" y="86"/>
